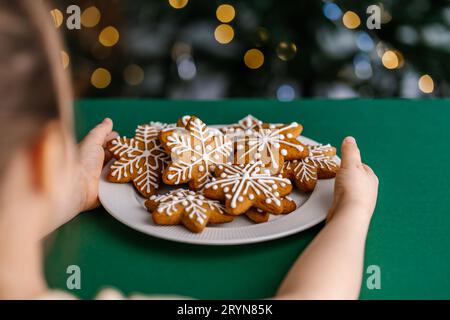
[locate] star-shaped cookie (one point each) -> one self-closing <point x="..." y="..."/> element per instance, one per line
<point x="319" y="164"/>
<point x="186" y="207"/>
<point x="195" y="151"/>
<point x="271" y="146"/>
<point x="246" y="186"/>
<point x="140" y="159"/>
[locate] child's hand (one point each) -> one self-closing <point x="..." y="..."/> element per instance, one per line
<point x="92" y="157"/>
<point x="356" y="185"/>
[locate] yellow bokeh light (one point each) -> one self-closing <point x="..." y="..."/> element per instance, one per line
<point x="390" y="60"/>
<point x="225" y="13"/>
<point x="133" y="75"/>
<point x="224" y="33"/>
<point x="286" y="50"/>
<point x="426" y="84"/>
<point x="351" y="20"/>
<point x="101" y="78"/>
<point x="254" y="58"/>
<point x="109" y="36"/>
<point x="57" y="17"/>
<point x="178" y="4"/>
<point x="401" y="60"/>
<point x="90" y="17"/>
<point x="65" y="59"/>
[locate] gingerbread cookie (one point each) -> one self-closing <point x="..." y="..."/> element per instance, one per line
<point x="319" y="164"/>
<point x="186" y="207"/>
<point x="260" y="216"/>
<point x="195" y="152"/>
<point x="140" y="159"/>
<point x="183" y="121"/>
<point x="244" y="186"/>
<point x="244" y="126"/>
<point x="271" y="146"/>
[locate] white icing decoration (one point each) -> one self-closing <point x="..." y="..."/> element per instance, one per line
<point x="185" y="144"/>
<point x="195" y="204"/>
<point x="246" y="181"/>
<point x="306" y="169"/>
<point x="143" y="156"/>
<point x="268" y="142"/>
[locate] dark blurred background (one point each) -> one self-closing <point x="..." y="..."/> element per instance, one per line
<point x="205" y="49"/>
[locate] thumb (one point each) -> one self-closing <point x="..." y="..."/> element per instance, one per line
<point x="99" y="134"/>
<point x="351" y="156"/>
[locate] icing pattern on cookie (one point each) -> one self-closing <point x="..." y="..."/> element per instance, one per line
<point x="320" y="164"/>
<point x="268" y="145"/>
<point x="244" y="126"/>
<point x="199" y="149"/>
<point x="194" y="203"/>
<point x="162" y="126"/>
<point x="141" y="159"/>
<point x="320" y="157"/>
<point x="248" y="181"/>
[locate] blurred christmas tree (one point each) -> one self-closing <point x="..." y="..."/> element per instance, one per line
<point x="203" y="49"/>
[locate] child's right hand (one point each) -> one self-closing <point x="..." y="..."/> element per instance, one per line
<point x="356" y="185"/>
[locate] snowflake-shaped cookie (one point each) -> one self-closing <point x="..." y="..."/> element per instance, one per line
<point x="259" y="216"/>
<point x="244" y="126"/>
<point x="195" y="152"/>
<point x="320" y="164"/>
<point x="186" y="207"/>
<point x="272" y="146"/>
<point x="244" y="186"/>
<point x="140" y="159"/>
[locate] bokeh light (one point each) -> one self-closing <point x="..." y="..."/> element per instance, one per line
<point x="180" y="49"/>
<point x="286" y="92"/>
<point x="133" y="74"/>
<point x="187" y="70"/>
<point x="364" y="42"/>
<point x="101" y="78"/>
<point x="390" y="60"/>
<point x="254" y="58"/>
<point x="351" y="20"/>
<point x="90" y="17"/>
<point x="332" y="11"/>
<point x="109" y="36"/>
<point x="362" y="66"/>
<point x="65" y="59"/>
<point x="225" y="13"/>
<point x="426" y="84"/>
<point x="224" y="33"/>
<point x="178" y="4"/>
<point x="400" y="58"/>
<point x="57" y="17"/>
<point x="286" y="50"/>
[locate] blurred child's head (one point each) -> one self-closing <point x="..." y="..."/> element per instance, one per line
<point x="37" y="148"/>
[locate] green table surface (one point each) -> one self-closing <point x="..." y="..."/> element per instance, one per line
<point x="405" y="142"/>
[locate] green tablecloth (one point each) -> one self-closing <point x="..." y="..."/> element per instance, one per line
<point x="405" y="142"/>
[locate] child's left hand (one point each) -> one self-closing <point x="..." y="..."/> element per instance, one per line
<point x="92" y="157"/>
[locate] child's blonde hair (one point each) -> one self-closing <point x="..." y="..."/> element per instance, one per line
<point x="34" y="89"/>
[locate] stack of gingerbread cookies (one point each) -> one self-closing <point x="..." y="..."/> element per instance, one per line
<point x="248" y="168"/>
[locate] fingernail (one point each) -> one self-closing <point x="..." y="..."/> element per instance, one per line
<point x="106" y="120"/>
<point x="350" y="140"/>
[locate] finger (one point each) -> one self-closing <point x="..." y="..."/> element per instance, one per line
<point x="331" y="212"/>
<point x="111" y="136"/>
<point x="350" y="153"/>
<point x="98" y="135"/>
<point x="368" y="169"/>
<point x="108" y="157"/>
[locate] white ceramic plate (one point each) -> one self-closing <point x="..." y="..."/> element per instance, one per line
<point x="127" y="206"/>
